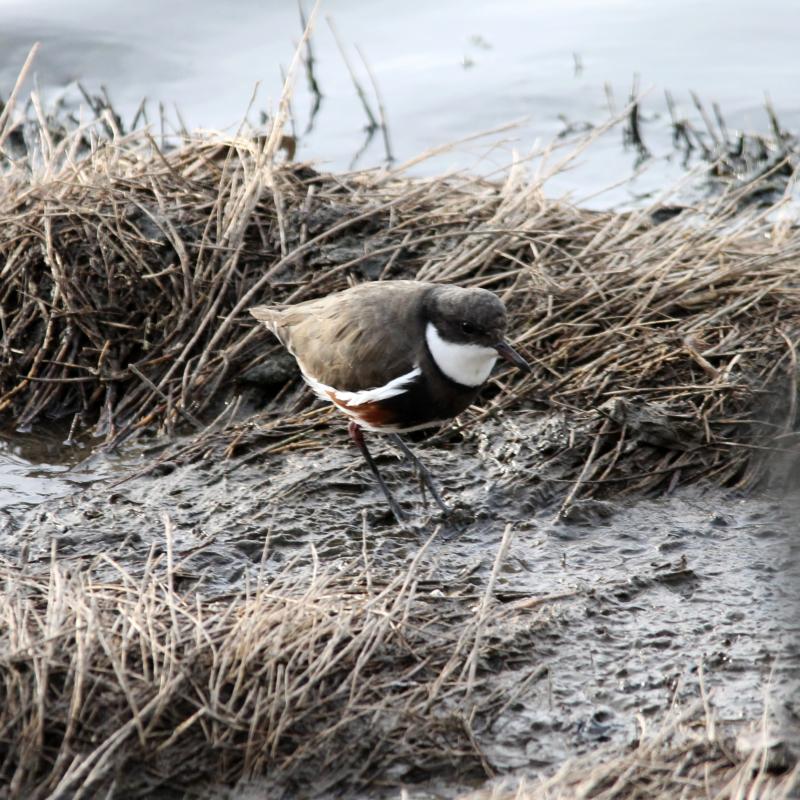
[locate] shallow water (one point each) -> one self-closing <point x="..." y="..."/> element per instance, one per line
<point x="36" y="466"/>
<point x="445" y="71"/>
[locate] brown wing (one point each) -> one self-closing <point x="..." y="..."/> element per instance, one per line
<point x="357" y="339"/>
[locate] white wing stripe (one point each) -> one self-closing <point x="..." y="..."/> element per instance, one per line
<point x="395" y="387"/>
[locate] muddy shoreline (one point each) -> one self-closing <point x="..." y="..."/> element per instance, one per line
<point x="640" y="599"/>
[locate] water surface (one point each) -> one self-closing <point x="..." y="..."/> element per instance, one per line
<point x="445" y="70"/>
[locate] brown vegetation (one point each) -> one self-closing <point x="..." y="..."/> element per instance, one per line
<point x="666" y="340"/>
<point x="324" y="680"/>
<point x="670" y="339"/>
<point x="687" y="756"/>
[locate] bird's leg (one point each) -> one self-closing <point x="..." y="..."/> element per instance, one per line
<point x="424" y="473"/>
<point x="357" y="435"/>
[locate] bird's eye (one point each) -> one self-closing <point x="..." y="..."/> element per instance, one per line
<point x="468" y="327"/>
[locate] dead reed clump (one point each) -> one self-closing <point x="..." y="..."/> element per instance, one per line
<point x="670" y="342"/>
<point x="690" y="755"/>
<point x="327" y="680"/>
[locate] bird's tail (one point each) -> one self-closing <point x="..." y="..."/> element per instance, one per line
<point x="269" y="316"/>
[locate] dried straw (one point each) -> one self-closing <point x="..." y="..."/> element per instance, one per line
<point x="331" y="678"/>
<point x="680" y="757"/>
<point x="125" y="278"/>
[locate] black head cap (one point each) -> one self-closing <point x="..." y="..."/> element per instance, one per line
<point x="467" y="316"/>
<point x="472" y="316"/>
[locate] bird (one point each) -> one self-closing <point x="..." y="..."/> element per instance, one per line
<point x="395" y="356"/>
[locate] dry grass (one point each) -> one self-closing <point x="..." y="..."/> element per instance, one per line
<point x="688" y="756"/>
<point x="317" y="681"/>
<point x="126" y="274"/>
<point x="124" y="278"/>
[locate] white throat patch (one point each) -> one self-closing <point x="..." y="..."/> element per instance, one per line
<point x="466" y="364"/>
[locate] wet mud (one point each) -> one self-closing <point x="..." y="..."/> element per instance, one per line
<point x="647" y="597"/>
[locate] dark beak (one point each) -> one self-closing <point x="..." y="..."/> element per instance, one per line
<point x="511" y="355"/>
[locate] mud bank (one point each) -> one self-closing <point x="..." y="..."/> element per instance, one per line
<point x="635" y="607"/>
